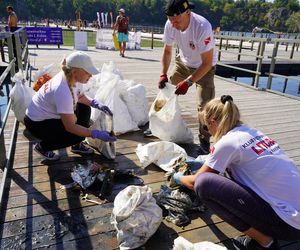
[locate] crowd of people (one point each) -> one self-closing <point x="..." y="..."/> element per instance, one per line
<point x="259" y="193"/>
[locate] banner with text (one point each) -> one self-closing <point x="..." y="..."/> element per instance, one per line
<point x="44" y="35"/>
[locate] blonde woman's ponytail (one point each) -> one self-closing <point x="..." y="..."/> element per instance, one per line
<point x="68" y="73"/>
<point x="224" y="112"/>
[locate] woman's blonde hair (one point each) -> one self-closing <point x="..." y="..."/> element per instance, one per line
<point x="68" y="73"/>
<point x="224" y="112"/>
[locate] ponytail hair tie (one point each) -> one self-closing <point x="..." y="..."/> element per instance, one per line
<point x="225" y="98"/>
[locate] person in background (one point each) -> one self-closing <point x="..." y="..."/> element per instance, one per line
<point x="121" y="25"/>
<point x="261" y="197"/>
<point x="12" y="22"/>
<point x="59" y="113"/>
<point x="195" y="63"/>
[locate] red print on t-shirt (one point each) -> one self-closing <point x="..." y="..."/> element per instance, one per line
<point x="46" y="87"/>
<point x="207" y="40"/>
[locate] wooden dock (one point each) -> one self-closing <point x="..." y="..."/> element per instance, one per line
<point x="38" y="213"/>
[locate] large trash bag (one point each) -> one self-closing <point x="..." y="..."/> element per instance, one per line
<point x="164" y="154"/>
<point x="21" y="96"/>
<point x="136" y="216"/>
<point x="165" y="118"/>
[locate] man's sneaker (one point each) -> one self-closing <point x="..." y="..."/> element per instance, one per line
<point x="204" y="148"/>
<point x="246" y="243"/>
<point x="49" y="155"/>
<point x="80" y="148"/>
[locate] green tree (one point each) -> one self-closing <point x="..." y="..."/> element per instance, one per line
<point x="293" y="23"/>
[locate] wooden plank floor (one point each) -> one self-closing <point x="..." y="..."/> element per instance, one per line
<point x="38" y="213"/>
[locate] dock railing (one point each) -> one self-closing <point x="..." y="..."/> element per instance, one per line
<point x="238" y="42"/>
<point x="295" y="44"/>
<point x="18" y="57"/>
<point x="246" y="44"/>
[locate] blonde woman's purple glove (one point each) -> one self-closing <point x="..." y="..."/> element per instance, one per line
<point x="101" y="107"/>
<point x="103" y="135"/>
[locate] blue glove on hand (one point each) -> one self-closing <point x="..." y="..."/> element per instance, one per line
<point x="177" y="176"/>
<point x="101" y="107"/>
<point x="103" y="135"/>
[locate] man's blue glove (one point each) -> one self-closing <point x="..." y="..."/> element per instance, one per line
<point x="103" y="135"/>
<point x="101" y="107"/>
<point x="176" y="177"/>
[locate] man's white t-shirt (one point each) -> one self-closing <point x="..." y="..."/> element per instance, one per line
<point x="194" y="41"/>
<point x="259" y="163"/>
<point x="53" y="98"/>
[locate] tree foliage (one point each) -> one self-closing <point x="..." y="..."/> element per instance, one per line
<point x="239" y="15"/>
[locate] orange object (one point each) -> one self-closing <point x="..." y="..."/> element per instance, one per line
<point x="41" y="81"/>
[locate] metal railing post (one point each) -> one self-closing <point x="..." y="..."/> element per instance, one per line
<point x="287" y="44"/>
<point x="11" y="53"/>
<point x="285" y="85"/>
<point x="25" y="45"/>
<point x="272" y="65"/>
<point x="262" y="45"/>
<point x="292" y="51"/>
<point x="2" y="50"/>
<point x="152" y="39"/>
<point x="18" y="50"/>
<point x="240" y="49"/>
<point x="220" y="47"/>
<point x="226" y="46"/>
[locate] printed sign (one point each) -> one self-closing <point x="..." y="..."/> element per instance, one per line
<point x="80" y="40"/>
<point x="105" y="40"/>
<point x="44" y="35"/>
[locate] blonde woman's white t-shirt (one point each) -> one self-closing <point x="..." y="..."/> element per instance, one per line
<point x="52" y="99"/>
<point x="194" y="41"/>
<point x="258" y="162"/>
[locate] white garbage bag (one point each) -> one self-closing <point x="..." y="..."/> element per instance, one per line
<point x="110" y="68"/>
<point x="92" y="86"/>
<point x="47" y="69"/>
<point x="137" y="103"/>
<point x="165" y="118"/>
<point x="110" y="97"/>
<point x="21" y="96"/>
<point x="136" y="216"/>
<point x="181" y="243"/>
<point x="101" y="121"/>
<point x="164" y="154"/>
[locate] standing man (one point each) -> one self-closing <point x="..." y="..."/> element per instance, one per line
<point x="12" y="22"/>
<point x="121" y="25"/>
<point x="195" y="63"/>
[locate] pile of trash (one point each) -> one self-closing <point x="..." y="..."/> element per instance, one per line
<point x="102" y="181"/>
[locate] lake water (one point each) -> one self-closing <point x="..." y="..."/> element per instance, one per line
<point x="3" y="102"/>
<point x="292" y="87"/>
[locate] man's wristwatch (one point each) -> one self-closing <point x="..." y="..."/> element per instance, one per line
<point x="189" y="82"/>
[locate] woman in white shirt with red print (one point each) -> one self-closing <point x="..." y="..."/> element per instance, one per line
<point x="261" y="197"/>
<point x="59" y="113"/>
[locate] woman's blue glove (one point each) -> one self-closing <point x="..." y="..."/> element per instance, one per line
<point x="176" y="177"/>
<point x="101" y="107"/>
<point x="103" y="135"/>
